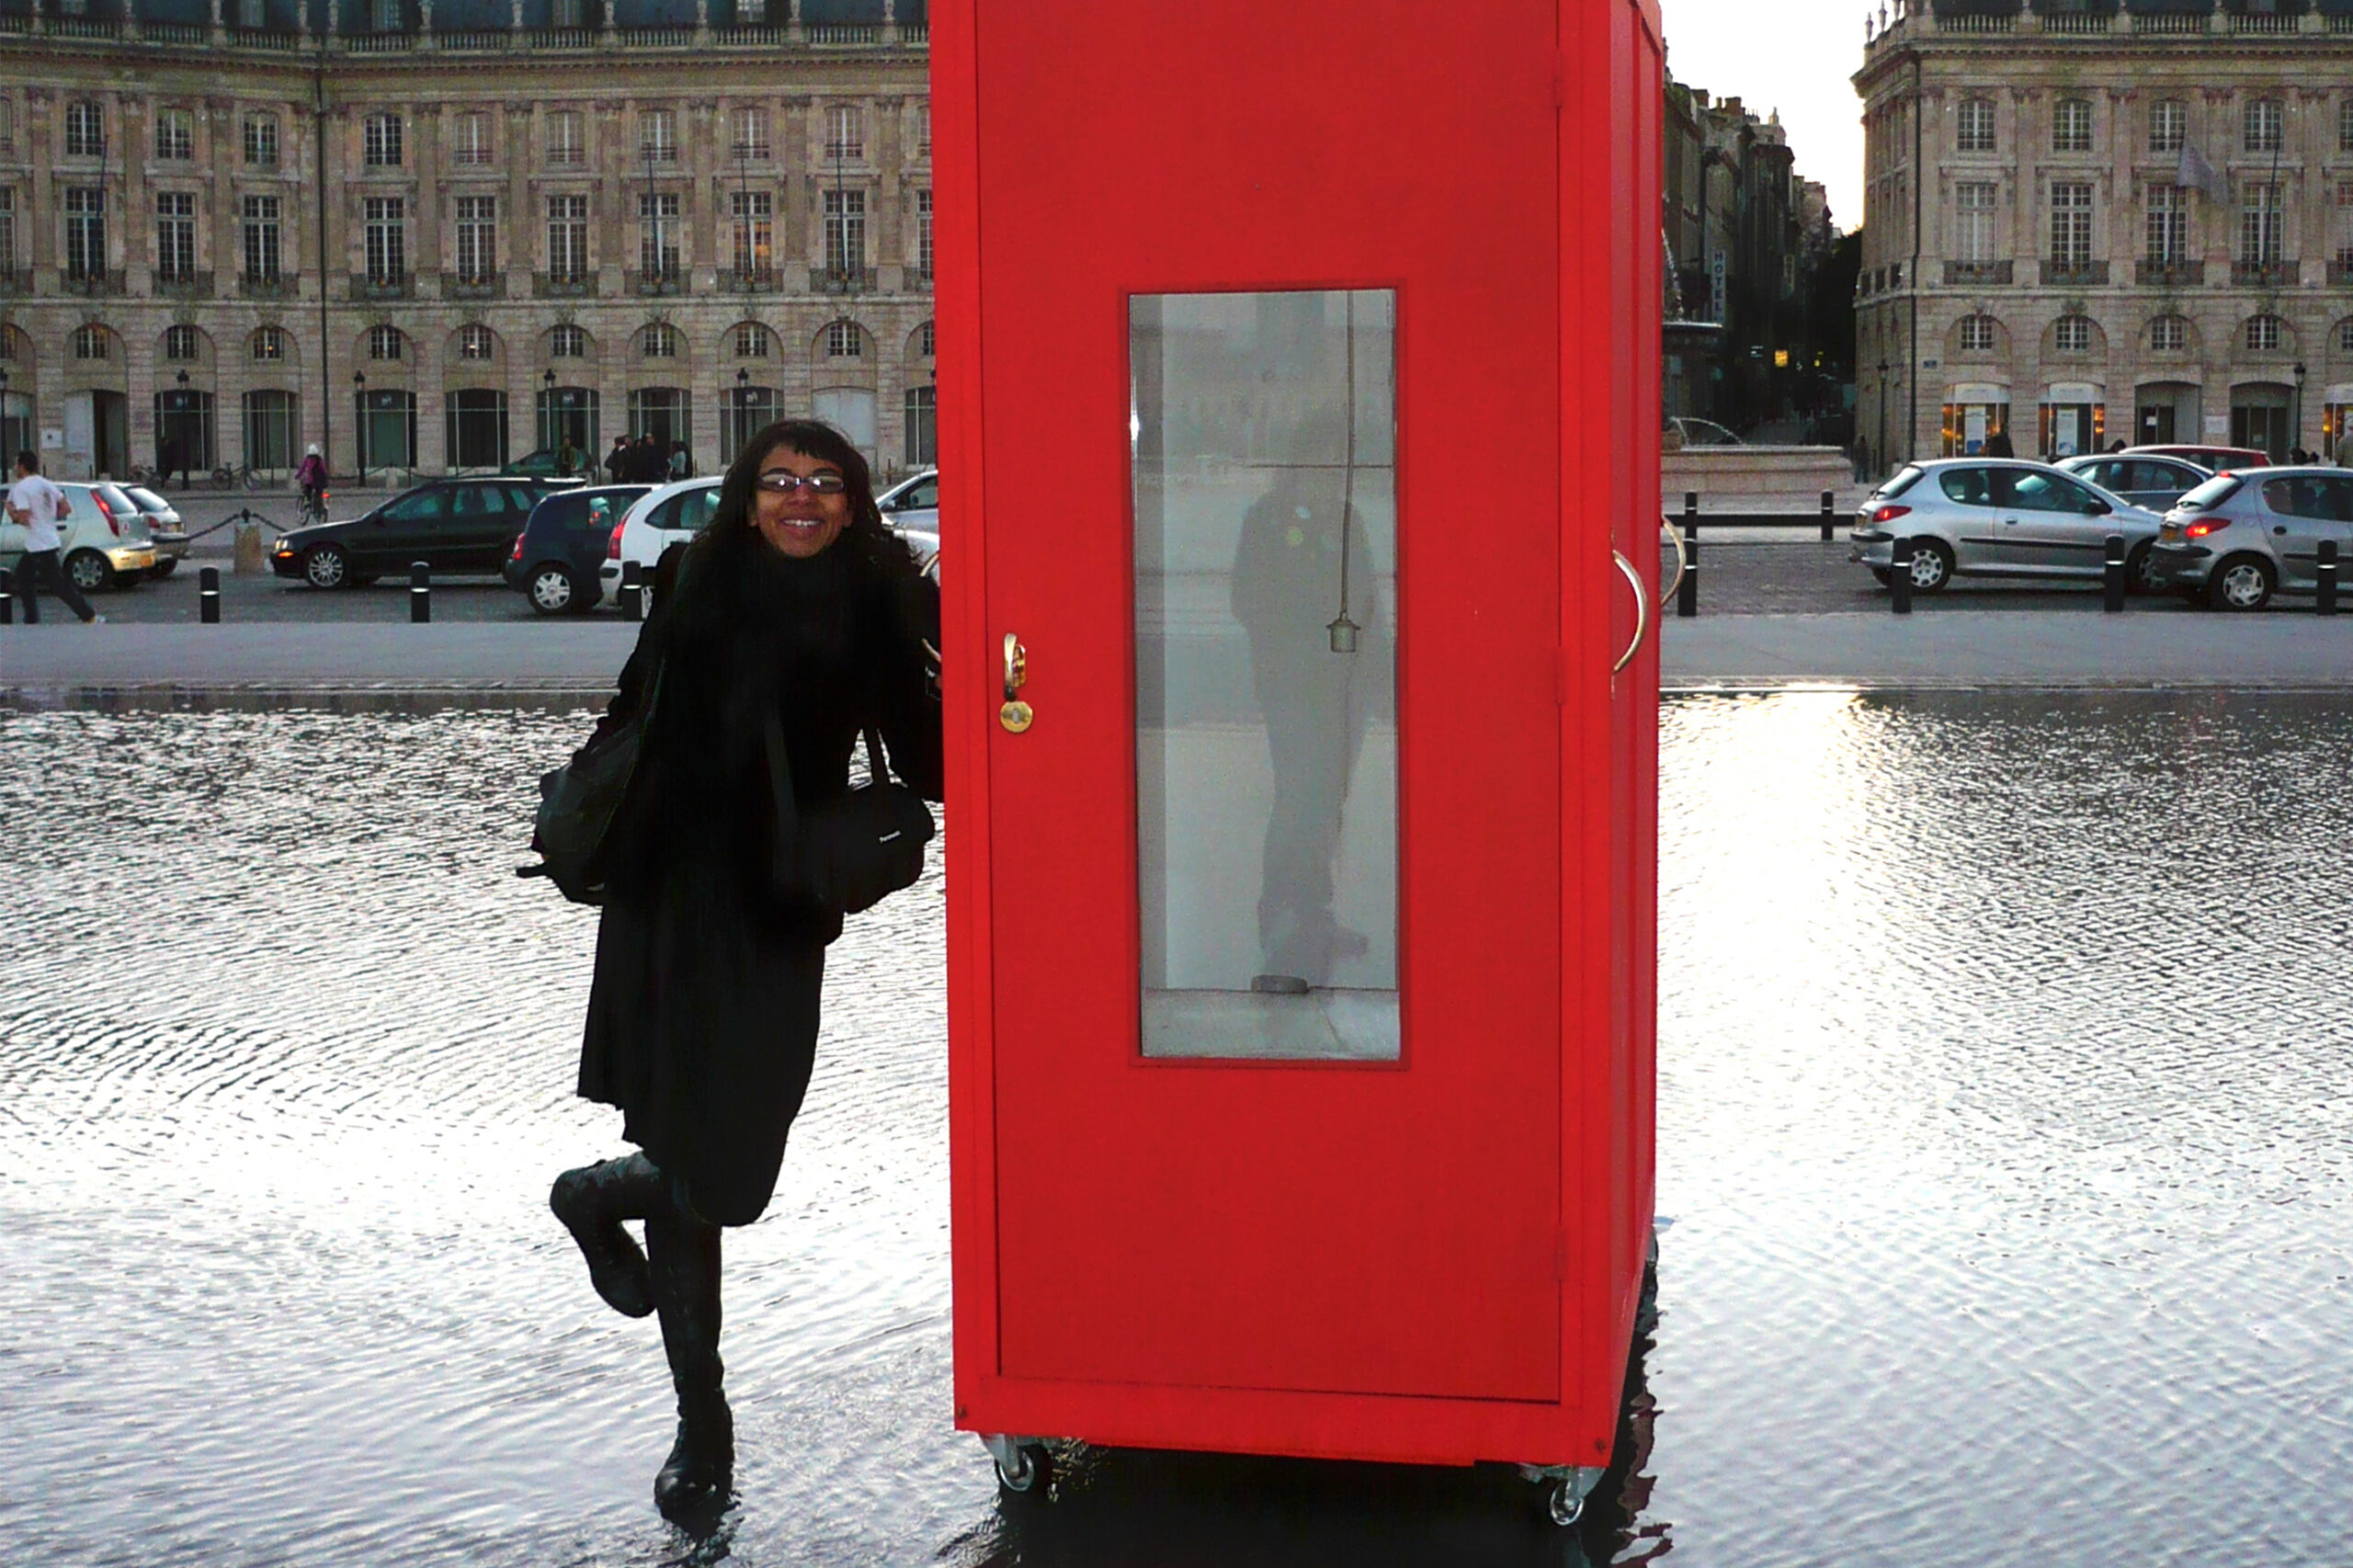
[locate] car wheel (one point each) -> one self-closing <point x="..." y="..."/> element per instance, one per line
<point x="2244" y="582"/>
<point x="553" y="590"/>
<point x="2141" y="572"/>
<point x="1931" y="565"/>
<point x="162" y="568"/>
<point x="88" y="570"/>
<point x="326" y="566"/>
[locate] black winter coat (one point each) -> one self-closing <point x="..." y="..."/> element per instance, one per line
<point x="703" y="1017"/>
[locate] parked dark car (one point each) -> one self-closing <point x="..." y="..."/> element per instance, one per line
<point x="543" y="464"/>
<point x="555" y="559"/>
<point x="454" y="526"/>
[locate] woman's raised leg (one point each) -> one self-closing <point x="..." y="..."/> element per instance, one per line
<point x="592" y="1202"/>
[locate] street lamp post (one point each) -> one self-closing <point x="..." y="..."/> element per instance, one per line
<point x="359" y="418"/>
<point x="2299" y="442"/>
<point x="1878" y="453"/>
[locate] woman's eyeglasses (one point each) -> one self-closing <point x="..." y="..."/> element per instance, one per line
<point x="778" y="483"/>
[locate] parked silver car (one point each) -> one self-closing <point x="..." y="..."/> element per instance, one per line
<point x="2237" y="539"/>
<point x="2153" y="481"/>
<point x="102" y="547"/>
<point x="1999" y="517"/>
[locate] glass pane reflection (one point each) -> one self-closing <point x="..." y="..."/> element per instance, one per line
<point x="1264" y="435"/>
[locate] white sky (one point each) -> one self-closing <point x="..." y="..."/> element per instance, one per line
<point x="1794" y="55"/>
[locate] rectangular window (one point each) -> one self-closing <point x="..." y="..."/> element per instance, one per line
<point x="567" y="238"/>
<point x="846" y="233"/>
<point x="570" y="13"/>
<point x="2344" y="235"/>
<point x="7" y="229"/>
<point x="387" y="238"/>
<point x="1976" y="125"/>
<point x="2071" y="126"/>
<point x="923" y="232"/>
<point x="86" y="231"/>
<point x="658" y="234"/>
<point x="2263" y="334"/>
<point x="7" y="126"/>
<point x="2072" y="335"/>
<point x="261" y="238"/>
<point x="477" y="238"/>
<point x="471" y="145"/>
<point x="923" y="130"/>
<point x="2345" y="124"/>
<point x="251" y="14"/>
<point x="2261" y="229"/>
<point x="2168" y="126"/>
<point x="1977" y="335"/>
<point x="85" y="129"/>
<point x="2169" y="335"/>
<point x="387" y="16"/>
<point x="2168" y="225"/>
<point x="754" y="230"/>
<point x="1263" y="436"/>
<point x="564" y="144"/>
<point x="751" y="135"/>
<point x="2265" y="121"/>
<point x="845" y="132"/>
<point x="2071" y="224"/>
<point x="382" y="148"/>
<point x="261" y="140"/>
<point x="923" y="426"/>
<point x="175" y="135"/>
<point x="174" y="236"/>
<point x="657" y="135"/>
<point x="1974" y="236"/>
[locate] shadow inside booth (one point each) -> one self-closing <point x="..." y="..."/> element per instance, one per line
<point x="1146" y="1509"/>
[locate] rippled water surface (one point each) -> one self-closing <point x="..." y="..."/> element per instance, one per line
<point x="2005" y="1121"/>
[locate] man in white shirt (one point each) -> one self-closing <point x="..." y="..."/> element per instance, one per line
<point x="37" y="505"/>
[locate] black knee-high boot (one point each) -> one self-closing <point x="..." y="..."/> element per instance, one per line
<point x="685" y="1258"/>
<point x="592" y="1202"/>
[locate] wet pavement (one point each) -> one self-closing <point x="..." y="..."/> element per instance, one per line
<point x="2005" y="1122"/>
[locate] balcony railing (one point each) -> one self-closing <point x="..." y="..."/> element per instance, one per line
<point x="750" y="280"/>
<point x="657" y="38"/>
<point x="402" y="286"/>
<point x="378" y="44"/>
<point x="476" y="40"/>
<point x="1972" y="22"/>
<point x="174" y="32"/>
<point x="556" y="37"/>
<point x="2058" y="274"/>
<point x="1957" y="273"/>
<point x="504" y="41"/>
<point x="281" y="287"/>
<point x="852" y="34"/>
<point x="184" y="285"/>
<point x="751" y="34"/>
<point x="836" y="280"/>
<point x="562" y="285"/>
<point x="2154" y="273"/>
<point x="258" y="37"/>
<point x="2078" y="23"/>
<point x="660" y="283"/>
<point x="2262" y="274"/>
<point x="91" y="284"/>
<point x="2260" y="22"/>
<point x="490" y="286"/>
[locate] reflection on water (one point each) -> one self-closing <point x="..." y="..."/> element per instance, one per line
<point x="2005" y="1119"/>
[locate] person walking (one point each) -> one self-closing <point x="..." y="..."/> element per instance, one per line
<point x="167" y="460"/>
<point x="35" y="505"/>
<point x="1998" y="445"/>
<point x="647" y="464"/>
<point x="2345" y="448"/>
<point x="790" y="625"/>
<point x="617" y="461"/>
<point x="567" y="457"/>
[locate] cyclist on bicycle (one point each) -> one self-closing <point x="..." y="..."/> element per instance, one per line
<point x="312" y="475"/>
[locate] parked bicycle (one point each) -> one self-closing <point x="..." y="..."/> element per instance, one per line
<point x="228" y="474"/>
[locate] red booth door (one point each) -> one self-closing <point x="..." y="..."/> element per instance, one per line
<point x="1269" y="417"/>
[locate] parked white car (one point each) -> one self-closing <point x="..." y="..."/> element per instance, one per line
<point x="102" y="546"/>
<point x="912" y="506"/>
<point x="675" y="513"/>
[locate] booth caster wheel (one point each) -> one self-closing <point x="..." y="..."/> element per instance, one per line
<point x="1024" y="1467"/>
<point x="1565" y="1489"/>
<point x="1563" y="1505"/>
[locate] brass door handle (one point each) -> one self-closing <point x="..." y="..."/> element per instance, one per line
<point x="1642" y="610"/>
<point x="1016" y="715"/>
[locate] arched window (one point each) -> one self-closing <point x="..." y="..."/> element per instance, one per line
<point x="1979" y="335"/>
<point x="2072" y="335"/>
<point x="844" y="340"/>
<point x="2264" y="334"/>
<point x="926" y="342"/>
<point x="2169" y="335"/>
<point x="91" y="342"/>
<point x="269" y="345"/>
<point x="384" y="343"/>
<point x="660" y="341"/>
<point x="476" y="341"/>
<point x="182" y="343"/>
<point x="751" y="341"/>
<point x="2344" y="337"/>
<point x="568" y="341"/>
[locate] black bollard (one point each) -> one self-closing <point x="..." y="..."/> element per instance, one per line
<point x="2114" y="576"/>
<point x="632" y="591"/>
<point x="1899" y="575"/>
<point x="207" y="596"/>
<point x="2325" y="569"/>
<point x="420" y="593"/>
<point x="1829" y="529"/>
<point x="1686" y="597"/>
<point x="7" y="599"/>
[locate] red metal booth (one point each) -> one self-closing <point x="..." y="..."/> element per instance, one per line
<point x="1299" y="434"/>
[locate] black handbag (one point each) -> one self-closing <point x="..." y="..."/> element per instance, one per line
<point x="580" y="802"/>
<point x="850" y="853"/>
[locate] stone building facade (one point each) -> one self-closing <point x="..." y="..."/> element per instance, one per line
<point x="434" y="240"/>
<point x="2087" y="223"/>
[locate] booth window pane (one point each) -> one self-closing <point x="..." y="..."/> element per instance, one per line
<point x="1263" y="429"/>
